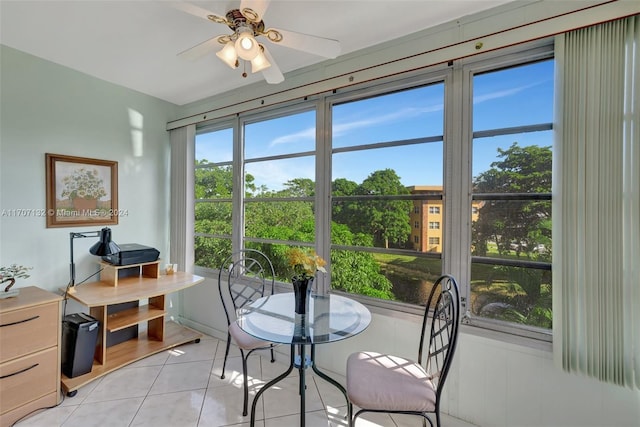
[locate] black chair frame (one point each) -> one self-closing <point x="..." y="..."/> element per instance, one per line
<point x="444" y="307"/>
<point x="249" y="275"/>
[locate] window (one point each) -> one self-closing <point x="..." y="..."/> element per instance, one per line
<point x="213" y="198"/>
<point x="511" y="211"/>
<point x="381" y="144"/>
<point x="369" y="189"/>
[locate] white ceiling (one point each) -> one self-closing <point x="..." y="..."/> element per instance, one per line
<point x="135" y="43"/>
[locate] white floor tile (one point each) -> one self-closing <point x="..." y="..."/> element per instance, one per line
<point x="124" y="383"/>
<point x="171" y="409"/>
<point x="112" y="413"/>
<point x="181" y="387"/>
<point x="182" y="377"/>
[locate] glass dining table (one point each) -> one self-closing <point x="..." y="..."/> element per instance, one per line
<point x="330" y="318"/>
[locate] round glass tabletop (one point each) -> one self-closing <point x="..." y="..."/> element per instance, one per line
<point x="330" y="318"/>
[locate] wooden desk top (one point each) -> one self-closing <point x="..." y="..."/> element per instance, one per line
<point x="97" y="294"/>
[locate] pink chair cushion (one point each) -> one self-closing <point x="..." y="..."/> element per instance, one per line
<point x="390" y="383"/>
<point x="244" y="340"/>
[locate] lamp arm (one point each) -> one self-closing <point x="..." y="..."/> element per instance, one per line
<point x="72" y="265"/>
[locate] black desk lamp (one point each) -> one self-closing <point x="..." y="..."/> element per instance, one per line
<point x="104" y="247"/>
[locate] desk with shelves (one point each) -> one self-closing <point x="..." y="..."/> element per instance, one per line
<point x="159" y="336"/>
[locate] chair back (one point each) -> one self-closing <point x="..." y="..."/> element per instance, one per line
<point x="243" y="277"/>
<point x="441" y="320"/>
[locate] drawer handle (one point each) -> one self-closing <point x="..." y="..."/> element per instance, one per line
<point x="19" y="372"/>
<point x="19" y="321"/>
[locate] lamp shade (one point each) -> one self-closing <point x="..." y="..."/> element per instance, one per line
<point x="246" y="46"/>
<point x="105" y="246"/>
<point x="260" y="62"/>
<point x="228" y="55"/>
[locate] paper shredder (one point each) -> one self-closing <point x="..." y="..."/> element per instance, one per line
<point x="79" y="338"/>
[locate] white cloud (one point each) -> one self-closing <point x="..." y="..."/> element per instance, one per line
<point x="503" y="93"/>
<point x="343" y="128"/>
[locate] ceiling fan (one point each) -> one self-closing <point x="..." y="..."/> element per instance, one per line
<point x="247" y="25"/>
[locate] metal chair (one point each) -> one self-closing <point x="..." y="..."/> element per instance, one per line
<point x="392" y="384"/>
<point x="248" y="275"/>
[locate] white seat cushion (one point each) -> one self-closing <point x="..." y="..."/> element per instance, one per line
<point x="244" y="340"/>
<point x="391" y="383"/>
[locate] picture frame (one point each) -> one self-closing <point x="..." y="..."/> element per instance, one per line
<point x="81" y="191"/>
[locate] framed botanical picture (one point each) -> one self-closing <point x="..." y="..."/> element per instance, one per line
<point x="81" y="191"/>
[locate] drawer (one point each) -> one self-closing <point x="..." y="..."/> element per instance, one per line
<point x="27" y="330"/>
<point x="29" y="378"/>
<point x="9" y="418"/>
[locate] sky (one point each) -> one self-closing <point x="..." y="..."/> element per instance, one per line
<point x="506" y="98"/>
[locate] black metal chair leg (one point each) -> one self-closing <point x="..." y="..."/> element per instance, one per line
<point x="246" y="385"/>
<point x="226" y="354"/>
<point x="273" y="356"/>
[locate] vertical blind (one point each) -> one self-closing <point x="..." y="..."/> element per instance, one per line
<point x="597" y="203"/>
<point x="182" y="195"/>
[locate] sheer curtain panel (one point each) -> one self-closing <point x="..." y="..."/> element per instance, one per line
<point x="597" y="203"/>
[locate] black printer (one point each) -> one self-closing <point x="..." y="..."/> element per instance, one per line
<point x="132" y="253"/>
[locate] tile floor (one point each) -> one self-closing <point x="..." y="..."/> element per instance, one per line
<point x="182" y="388"/>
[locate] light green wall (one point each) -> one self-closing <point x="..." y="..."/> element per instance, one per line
<point x="47" y="108"/>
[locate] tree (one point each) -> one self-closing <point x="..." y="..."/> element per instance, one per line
<point x="299" y="187"/>
<point x="519" y="225"/>
<point x="520" y="294"/>
<point x="388" y="220"/>
<point x="213" y="182"/>
<point x="355" y="271"/>
<point x="345" y="212"/>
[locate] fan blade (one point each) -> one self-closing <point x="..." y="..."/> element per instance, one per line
<point x="200" y="50"/>
<point x="259" y="7"/>
<point x="194" y="10"/>
<point x="272" y="75"/>
<point x="320" y="46"/>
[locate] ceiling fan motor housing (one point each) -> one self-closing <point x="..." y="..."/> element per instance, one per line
<point x="236" y="20"/>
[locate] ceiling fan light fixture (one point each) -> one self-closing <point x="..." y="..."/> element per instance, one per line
<point x="246" y="46"/>
<point x="260" y="62"/>
<point x="228" y="55"/>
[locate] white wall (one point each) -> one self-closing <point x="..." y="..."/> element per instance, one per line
<point x="46" y="108"/>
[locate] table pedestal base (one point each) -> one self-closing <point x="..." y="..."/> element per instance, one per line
<point x="295" y="363"/>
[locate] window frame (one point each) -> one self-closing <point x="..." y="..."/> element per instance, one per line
<point x="502" y="59"/>
<point x="457" y="141"/>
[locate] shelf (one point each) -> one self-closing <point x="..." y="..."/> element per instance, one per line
<point x="133" y="316"/>
<point x="101" y="297"/>
<point x="131" y="351"/>
<point x="112" y="274"/>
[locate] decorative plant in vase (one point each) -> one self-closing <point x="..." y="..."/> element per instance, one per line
<point x="10" y="274"/>
<point x="84" y="188"/>
<point x="305" y="263"/>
